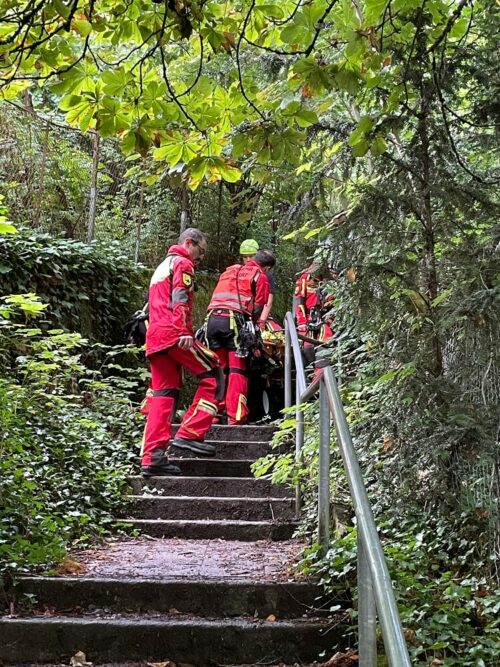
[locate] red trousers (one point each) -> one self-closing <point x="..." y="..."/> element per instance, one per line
<point x="221" y="334"/>
<point x="166" y="380"/>
<point x="235" y="400"/>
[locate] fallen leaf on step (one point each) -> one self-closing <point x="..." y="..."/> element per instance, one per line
<point x="271" y="617"/>
<point x="79" y="660"/>
<point x="70" y="566"/>
<point x="173" y="610"/>
<point x="49" y="611"/>
<point x="169" y="663"/>
<point x="348" y="659"/>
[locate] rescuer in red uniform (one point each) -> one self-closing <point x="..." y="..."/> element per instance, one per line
<point x="248" y="248"/>
<point x="170" y="347"/>
<point x="234" y="310"/>
<point x="312" y="307"/>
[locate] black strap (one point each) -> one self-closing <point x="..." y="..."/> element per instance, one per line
<point x="172" y="393"/>
<point x="218" y="374"/>
<point x="206" y="374"/>
<point x="238" y="371"/>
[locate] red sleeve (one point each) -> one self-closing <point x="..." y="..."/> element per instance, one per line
<point x="182" y="297"/>
<point x="261" y="295"/>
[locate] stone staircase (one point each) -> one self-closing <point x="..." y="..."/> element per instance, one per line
<point x="207" y="583"/>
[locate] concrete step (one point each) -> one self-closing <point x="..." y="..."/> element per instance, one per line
<point x="197" y="596"/>
<point x="238" y="433"/>
<point x="232" y="449"/>
<point x="193" y="640"/>
<point x="213" y="467"/>
<point x="201" y="507"/>
<point x="244" y="531"/>
<point x="233" y="487"/>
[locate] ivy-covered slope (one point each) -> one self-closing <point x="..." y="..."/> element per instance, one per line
<point x="89" y="288"/>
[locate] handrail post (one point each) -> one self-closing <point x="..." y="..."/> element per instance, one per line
<point x="324" y="471"/>
<point x="367" y="612"/>
<point x="375" y="591"/>
<point x="299" y="443"/>
<point x="288" y="367"/>
<point x="394" y="641"/>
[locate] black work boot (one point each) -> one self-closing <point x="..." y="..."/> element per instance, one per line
<point x="160" y="467"/>
<point x="197" y="446"/>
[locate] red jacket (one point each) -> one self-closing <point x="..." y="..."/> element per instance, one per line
<point x="309" y="294"/>
<point x="243" y="288"/>
<point x="170" y="301"/>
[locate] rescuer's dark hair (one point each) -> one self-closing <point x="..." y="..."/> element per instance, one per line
<point x="265" y="258"/>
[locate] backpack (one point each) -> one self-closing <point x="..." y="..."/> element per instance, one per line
<point x="136" y="327"/>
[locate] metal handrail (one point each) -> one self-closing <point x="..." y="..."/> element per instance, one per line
<point x="375" y="592"/>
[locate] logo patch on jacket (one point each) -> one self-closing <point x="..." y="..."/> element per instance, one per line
<point x="187" y="279"/>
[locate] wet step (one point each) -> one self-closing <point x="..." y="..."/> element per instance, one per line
<point x="232" y="449"/>
<point x="200" y="507"/>
<point x="245" y="531"/>
<point x="196" y="596"/>
<point x="234" y="487"/>
<point x="213" y="467"/>
<point x="145" y="557"/>
<point x="195" y="640"/>
<point x="238" y="433"/>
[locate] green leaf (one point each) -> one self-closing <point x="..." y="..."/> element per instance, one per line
<point x="63" y="10"/>
<point x="294" y="34"/>
<point x="82" y="27"/>
<point x="358" y="135"/>
<point x="378" y="145"/>
<point x="305" y="118"/>
<point x="171" y="153"/>
<point x="441" y="297"/>
<point x="313" y="232"/>
<point x="347" y="80"/>
<point x="275" y="11"/>
<point x="115" y="81"/>
<point x="365" y="124"/>
<point x="361" y="148"/>
<point x="69" y="102"/>
<point x="230" y="173"/>
<point x="6" y="228"/>
<point x="374" y="10"/>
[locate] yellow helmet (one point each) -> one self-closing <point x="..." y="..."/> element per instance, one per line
<point x="249" y="247"/>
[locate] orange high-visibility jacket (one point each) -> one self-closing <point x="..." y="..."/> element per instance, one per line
<point x="241" y="288"/>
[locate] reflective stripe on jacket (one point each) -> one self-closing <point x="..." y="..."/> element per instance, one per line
<point x="170" y="301"/>
<point x="243" y="288"/>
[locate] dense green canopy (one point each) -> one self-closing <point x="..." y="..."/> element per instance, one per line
<point x="209" y="84"/>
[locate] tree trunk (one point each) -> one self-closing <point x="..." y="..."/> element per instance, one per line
<point x="219" y="224"/>
<point x="93" y="186"/>
<point x="185" y="207"/>
<point x="139" y="225"/>
<point x="430" y="275"/>
<point x="41" y="183"/>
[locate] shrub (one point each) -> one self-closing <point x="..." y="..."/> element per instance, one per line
<point x="89" y="288"/>
<point x="67" y="438"/>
